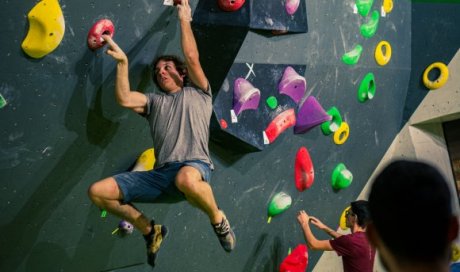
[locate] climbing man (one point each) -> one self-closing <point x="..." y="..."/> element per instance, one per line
<point x="179" y="117"/>
<point x="357" y="254"/>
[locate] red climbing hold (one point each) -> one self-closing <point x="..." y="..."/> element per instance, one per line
<point x="304" y="173"/>
<point x="230" y="5"/>
<point x="281" y="122"/>
<point x="223" y="124"/>
<point x="297" y="261"/>
<point x="103" y="26"/>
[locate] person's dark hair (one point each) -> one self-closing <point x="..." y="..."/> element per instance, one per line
<point x="361" y="209"/>
<point x="410" y="205"/>
<point x="178" y="62"/>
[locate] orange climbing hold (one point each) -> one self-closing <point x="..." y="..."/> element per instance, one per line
<point x="46" y="29"/>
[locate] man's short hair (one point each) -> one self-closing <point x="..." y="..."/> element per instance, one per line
<point x="361" y="209"/>
<point x="410" y="205"/>
<point x="178" y="62"/>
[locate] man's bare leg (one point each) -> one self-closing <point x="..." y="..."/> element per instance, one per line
<point x="107" y="195"/>
<point x="198" y="192"/>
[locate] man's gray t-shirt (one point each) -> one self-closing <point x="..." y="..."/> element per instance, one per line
<point x="179" y="124"/>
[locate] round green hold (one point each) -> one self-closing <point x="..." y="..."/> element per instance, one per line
<point x="279" y="203"/>
<point x="368" y="29"/>
<point x="364" y="6"/>
<point x="341" y="177"/>
<point x="367" y="88"/>
<point x="272" y="102"/>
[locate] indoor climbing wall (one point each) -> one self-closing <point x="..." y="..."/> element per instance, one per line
<point x="270" y="73"/>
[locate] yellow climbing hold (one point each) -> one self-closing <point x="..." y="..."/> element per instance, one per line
<point x="46" y="29"/>
<point x="387" y="6"/>
<point x="441" y="80"/>
<point x="380" y="57"/>
<point x="146" y="161"/>
<point x="341" y="134"/>
<point x="343" y="218"/>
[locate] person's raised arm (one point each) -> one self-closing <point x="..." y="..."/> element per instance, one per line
<point x="125" y="97"/>
<point x="189" y="47"/>
<point x="315" y="221"/>
<point x="311" y="240"/>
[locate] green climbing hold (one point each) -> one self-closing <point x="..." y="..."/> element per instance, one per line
<point x="364" y="6"/>
<point x="279" y="203"/>
<point x="272" y="102"/>
<point x="367" y="88"/>
<point x="341" y="177"/>
<point x="352" y="57"/>
<point x="331" y="126"/>
<point x="103" y="213"/>
<point x="368" y="29"/>
<point x="2" y="101"/>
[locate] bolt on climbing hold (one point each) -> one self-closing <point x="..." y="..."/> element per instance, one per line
<point x="291" y="6"/>
<point x="341" y="177"/>
<point x="101" y="27"/>
<point x="304" y="172"/>
<point x="146" y="161"/>
<point x="230" y="5"/>
<point x="382" y="58"/>
<point x="46" y="29"/>
<point x="292" y="84"/>
<point x="310" y="114"/>
<point x="272" y="102"/>
<point x="279" y="203"/>
<point x="343" y="218"/>
<point x="124" y="228"/>
<point x="364" y="6"/>
<point x="368" y="29"/>
<point x="387" y="6"/>
<point x="367" y="88"/>
<point x="441" y="80"/>
<point x="330" y="126"/>
<point x="245" y="96"/>
<point x="341" y="134"/>
<point x="352" y="57"/>
<point x="2" y="102"/>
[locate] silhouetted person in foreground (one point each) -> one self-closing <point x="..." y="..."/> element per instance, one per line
<point x="412" y="221"/>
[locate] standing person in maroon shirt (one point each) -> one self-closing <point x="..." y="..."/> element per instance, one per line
<point x="357" y="254"/>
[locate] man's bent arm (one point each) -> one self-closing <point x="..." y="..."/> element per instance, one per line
<point x="311" y="240"/>
<point x="125" y="97"/>
<point x="189" y="47"/>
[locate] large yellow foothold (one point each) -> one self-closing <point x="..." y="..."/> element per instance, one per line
<point x="343" y="218"/>
<point x="380" y="57"/>
<point x="441" y="80"/>
<point x="46" y="29"/>
<point x="146" y="161"/>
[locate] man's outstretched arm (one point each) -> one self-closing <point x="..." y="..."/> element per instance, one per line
<point x="189" y="47"/>
<point x="125" y="97"/>
<point x="311" y="240"/>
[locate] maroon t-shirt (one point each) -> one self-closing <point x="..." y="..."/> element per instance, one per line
<point x="357" y="254"/>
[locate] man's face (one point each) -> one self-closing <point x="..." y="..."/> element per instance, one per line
<point x="168" y="77"/>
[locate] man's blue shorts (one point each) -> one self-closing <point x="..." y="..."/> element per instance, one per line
<point x="147" y="186"/>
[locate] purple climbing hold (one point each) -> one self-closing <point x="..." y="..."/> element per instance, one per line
<point x="310" y="114"/>
<point x="245" y="96"/>
<point x="292" y="84"/>
<point x="125" y="227"/>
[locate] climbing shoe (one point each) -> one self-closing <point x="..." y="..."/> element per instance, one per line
<point x="225" y="234"/>
<point x="154" y="240"/>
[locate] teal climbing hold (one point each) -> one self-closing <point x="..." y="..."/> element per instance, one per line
<point x="367" y="88"/>
<point x="368" y="29"/>
<point x="364" y="6"/>
<point x="272" y="102"/>
<point x="352" y="57"/>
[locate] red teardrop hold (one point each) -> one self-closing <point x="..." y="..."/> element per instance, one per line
<point x="103" y="26"/>
<point x="304" y="172"/>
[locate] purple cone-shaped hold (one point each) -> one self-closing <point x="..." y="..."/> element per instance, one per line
<point x="310" y="115"/>
<point x="292" y="84"/>
<point x="245" y="96"/>
<point x="292" y="6"/>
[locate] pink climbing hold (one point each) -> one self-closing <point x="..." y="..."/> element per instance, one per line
<point x="311" y="114"/>
<point x="292" y="84"/>
<point x="103" y="26"/>
<point x="278" y="125"/>
<point x="245" y="96"/>
<point x="304" y="172"/>
<point x="292" y="6"/>
<point x="297" y="261"/>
